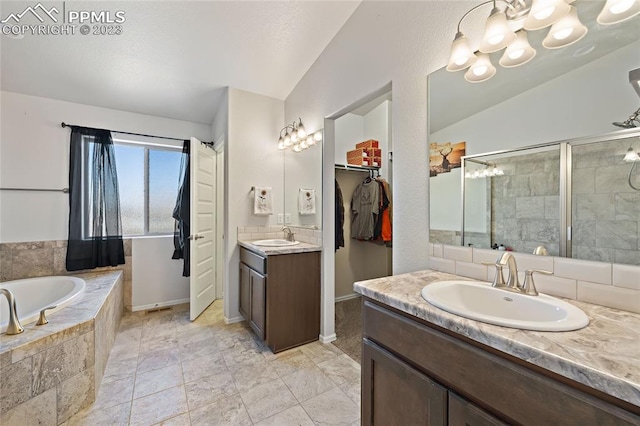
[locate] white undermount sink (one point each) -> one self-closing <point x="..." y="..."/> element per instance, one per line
<point x="482" y="302"/>
<point x="275" y="243"/>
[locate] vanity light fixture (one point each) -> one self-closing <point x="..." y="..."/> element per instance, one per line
<point x="616" y="11"/>
<point x="491" y="171"/>
<point x="298" y="140"/>
<point x="506" y="28"/>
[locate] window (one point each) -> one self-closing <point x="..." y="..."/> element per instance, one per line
<point x="148" y="178"/>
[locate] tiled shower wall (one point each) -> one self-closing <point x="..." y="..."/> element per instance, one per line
<point x="45" y="258"/>
<point x="606" y="284"/>
<point x="606" y="210"/>
<point x="525" y="202"/>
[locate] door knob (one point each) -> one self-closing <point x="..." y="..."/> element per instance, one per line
<point x="195" y="237"/>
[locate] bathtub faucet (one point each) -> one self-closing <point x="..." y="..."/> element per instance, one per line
<point x="14" y="326"/>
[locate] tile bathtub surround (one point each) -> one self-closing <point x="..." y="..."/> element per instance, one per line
<point x="612" y="285"/>
<point x="51" y="372"/>
<point x="302" y="234"/>
<point x="602" y="356"/>
<point x="208" y="372"/>
<point x="45" y="258"/>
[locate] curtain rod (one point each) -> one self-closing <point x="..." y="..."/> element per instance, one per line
<point x="63" y="124"/>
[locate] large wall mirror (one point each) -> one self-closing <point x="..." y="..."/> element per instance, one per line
<point x="563" y="94"/>
<point x="303" y="183"/>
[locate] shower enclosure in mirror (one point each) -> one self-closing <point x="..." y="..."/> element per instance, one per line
<point x="574" y="198"/>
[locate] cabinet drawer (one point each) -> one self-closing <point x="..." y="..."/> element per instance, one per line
<point x="254" y="261"/>
<point x="519" y="395"/>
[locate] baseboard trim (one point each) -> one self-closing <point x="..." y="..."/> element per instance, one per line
<point x="159" y="305"/>
<point x="347" y="297"/>
<point x="233" y="320"/>
<point x="328" y="339"/>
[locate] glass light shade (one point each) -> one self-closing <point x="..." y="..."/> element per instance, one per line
<point x="519" y="52"/>
<point x="281" y="144"/>
<point x="497" y="33"/>
<point x="481" y="70"/>
<point x="287" y="139"/>
<point x="301" y="131"/>
<point x="566" y="31"/>
<point x="631" y="156"/>
<point x="544" y="13"/>
<point x="303" y="144"/>
<point x="317" y="136"/>
<point x="297" y="148"/>
<point x="615" y="11"/>
<point x="311" y="141"/>
<point x="461" y="55"/>
<point x="294" y="136"/>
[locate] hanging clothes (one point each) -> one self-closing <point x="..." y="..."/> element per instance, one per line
<point x="182" y="213"/>
<point x="364" y="209"/>
<point x="386" y="232"/>
<point x="339" y="218"/>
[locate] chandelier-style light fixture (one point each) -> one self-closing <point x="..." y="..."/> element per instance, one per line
<point x="506" y="28"/>
<point x="298" y="140"/>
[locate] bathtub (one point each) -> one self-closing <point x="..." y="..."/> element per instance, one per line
<point x="35" y="294"/>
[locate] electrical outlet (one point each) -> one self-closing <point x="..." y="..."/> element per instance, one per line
<point x="287" y="218"/>
<point x="280" y="218"/>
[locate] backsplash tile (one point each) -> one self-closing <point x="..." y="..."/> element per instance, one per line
<point x="45" y="258"/>
<point x="626" y="276"/>
<point x="582" y="270"/>
<point x="613" y="285"/>
<point x="614" y="297"/>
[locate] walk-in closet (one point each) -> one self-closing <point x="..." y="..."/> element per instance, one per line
<point x="364" y="211"/>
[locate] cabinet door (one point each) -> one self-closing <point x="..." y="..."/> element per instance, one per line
<point x="258" y="284"/>
<point x="393" y="393"/>
<point x="245" y="291"/>
<point x="464" y="413"/>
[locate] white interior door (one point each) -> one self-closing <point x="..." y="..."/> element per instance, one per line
<point x="203" y="208"/>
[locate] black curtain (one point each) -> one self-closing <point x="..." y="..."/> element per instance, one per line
<point x="95" y="227"/>
<point x="182" y="211"/>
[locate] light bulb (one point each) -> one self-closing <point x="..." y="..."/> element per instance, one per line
<point x="281" y="144"/>
<point x="318" y="135"/>
<point x="519" y="52"/>
<point x="544" y="13"/>
<point x="615" y="11"/>
<point x="297" y="148"/>
<point x="287" y="139"/>
<point x="497" y="34"/>
<point x="303" y="144"/>
<point x="461" y="55"/>
<point x="294" y="136"/>
<point x="467" y="175"/>
<point x="311" y="140"/>
<point x="481" y="70"/>
<point x="301" y="130"/>
<point x="566" y="31"/>
<point x="631" y="156"/>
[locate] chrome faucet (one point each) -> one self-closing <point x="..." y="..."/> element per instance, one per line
<point x="513" y="283"/>
<point x="288" y="234"/>
<point x="14" y="326"/>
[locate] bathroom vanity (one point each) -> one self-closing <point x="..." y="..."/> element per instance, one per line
<point x="422" y="365"/>
<point x="280" y="293"/>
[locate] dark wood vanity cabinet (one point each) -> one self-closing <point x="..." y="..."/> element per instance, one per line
<point x="280" y="297"/>
<point x="415" y="373"/>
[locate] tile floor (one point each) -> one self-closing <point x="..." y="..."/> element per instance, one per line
<point x="165" y="370"/>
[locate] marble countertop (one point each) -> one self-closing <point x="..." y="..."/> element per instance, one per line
<point x="605" y="355"/>
<point x="273" y="251"/>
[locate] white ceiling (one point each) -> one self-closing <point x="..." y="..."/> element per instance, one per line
<point x="173" y="58"/>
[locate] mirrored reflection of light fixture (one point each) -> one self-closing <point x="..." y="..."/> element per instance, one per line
<point x="507" y="27"/>
<point x="491" y="170"/>
<point x="544" y="13"/>
<point x="566" y="31"/>
<point x="481" y="70"/>
<point x="519" y="52"/>
<point x="298" y="139"/>
<point x="615" y="11"/>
